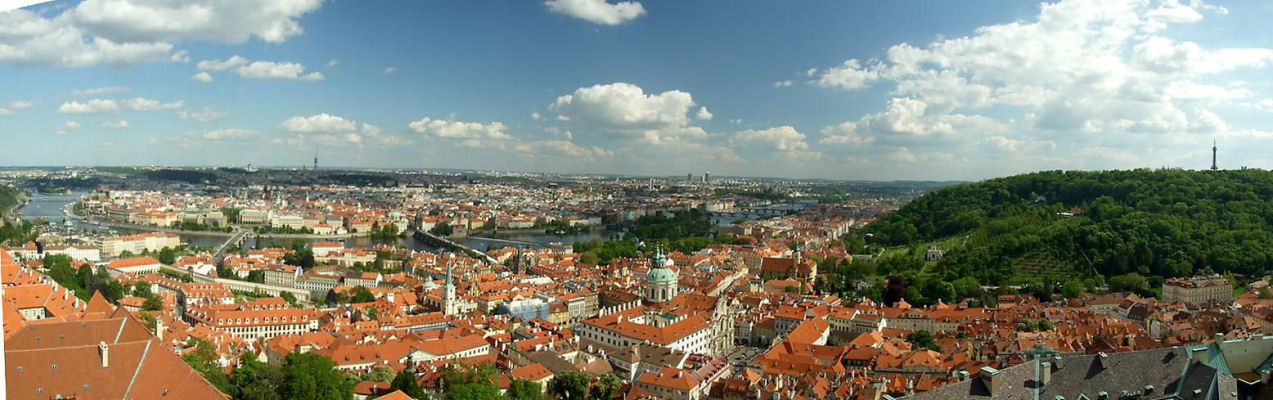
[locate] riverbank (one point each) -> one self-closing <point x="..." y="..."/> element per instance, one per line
<point x="69" y="211"/>
<point x="124" y="225"/>
<point x="12" y="213"/>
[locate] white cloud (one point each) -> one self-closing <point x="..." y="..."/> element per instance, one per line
<point x="181" y="56"/>
<point x="703" y="114"/>
<point x="849" y="76"/>
<point x="390" y="70"/>
<point x="98" y="106"/>
<point x="120" y="33"/>
<point x="67" y="127"/>
<point x="207" y="114"/>
<point x="256" y="69"/>
<point x="202" y="76"/>
<point x="903" y="154"/>
<point x="468" y="134"/>
<point x="318" y="123"/>
<point x="144" y="104"/>
<point x="121" y="124"/>
<point x="600" y="12"/>
<point x="214" y="65"/>
<point x="1084" y="72"/>
<point x="230" y="134"/>
<point x="277" y="70"/>
<point x="94" y="106"/>
<point x="21" y="104"/>
<point x="4" y="111"/>
<point x="562" y="148"/>
<point x="223" y="21"/>
<point x="780" y="138"/>
<point x="97" y="91"/>
<point x="845" y="133"/>
<point x="28" y="39"/>
<point x="1206" y="121"/>
<point x="626" y="109"/>
<point x="333" y="62"/>
<point x="331" y="130"/>
<point x="782" y="84"/>
<point x="534" y="115"/>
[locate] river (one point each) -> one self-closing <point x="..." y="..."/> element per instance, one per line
<point x="49" y="207"/>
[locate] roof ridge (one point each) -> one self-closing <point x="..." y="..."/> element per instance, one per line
<point x="94" y="345"/>
<point x="140" y="363"/>
<point x="120" y="332"/>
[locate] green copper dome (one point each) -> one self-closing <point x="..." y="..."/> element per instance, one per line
<point x="659" y="272"/>
<point x="660" y="275"/>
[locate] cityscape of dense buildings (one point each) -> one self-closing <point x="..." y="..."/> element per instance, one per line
<point x="744" y="312"/>
<point x="636" y="200"/>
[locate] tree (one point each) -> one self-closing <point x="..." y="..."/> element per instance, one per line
<point x="312" y="376"/>
<point x="1072" y="289"/>
<point x="606" y="388"/>
<point x="380" y="373"/>
<point x="966" y="287"/>
<point x="142" y="289"/>
<point x="254" y="380"/>
<point x="256" y="275"/>
<point x="291" y="298"/>
<point x="442" y="229"/>
<point x="923" y="339"/>
<point x="1131" y="282"/>
<point x="205" y="361"/>
<point x="569" y="385"/>
<point x="522" y="389"/>
<point x="471" y="382"/>
<point x="153" y="303"/>
<point x="114" y="291"/>
<point x="149" y="321"/>
<point x="167" y="255"/>
<point x="406" y="381"/>
<point x="360" y="294"/>
<point x="204" y="357"/>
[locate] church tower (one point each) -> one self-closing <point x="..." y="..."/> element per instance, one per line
<point x="448" y="293"/>
<point x="661" y="282"/>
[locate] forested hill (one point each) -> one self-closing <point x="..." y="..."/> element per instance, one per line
<point x="1153" y="222"/>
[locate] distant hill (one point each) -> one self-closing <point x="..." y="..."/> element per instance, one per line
<point x="1065" y="224"/>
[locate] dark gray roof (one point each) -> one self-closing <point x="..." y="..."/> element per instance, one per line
<point x="1160" y="372"/>
<point x="1016" y="382"/>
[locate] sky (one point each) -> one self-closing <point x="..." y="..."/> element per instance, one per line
<point x="928" y="90"/>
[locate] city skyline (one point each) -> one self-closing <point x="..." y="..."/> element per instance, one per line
<point x="830" y="90"/>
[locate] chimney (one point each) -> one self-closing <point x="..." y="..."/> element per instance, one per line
<point x="1104" y="361"/>
<point x="1056" y="362"/>
<point x="990" y="377"/>
<point x="104" y="352"/>
<point x="1045" y="373"/>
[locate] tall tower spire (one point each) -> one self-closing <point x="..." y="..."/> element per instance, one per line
<point x="448" y="292"/>
<point x="1213" y="156"/>
<point x="315" y="157"/>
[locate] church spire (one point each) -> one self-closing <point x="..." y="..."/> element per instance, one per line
<point x="448" y="291"/>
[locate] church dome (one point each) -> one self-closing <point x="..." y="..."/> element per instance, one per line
<point x="661" y="275"/>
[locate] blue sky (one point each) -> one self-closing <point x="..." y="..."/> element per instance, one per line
<point x="825" y="89"/>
